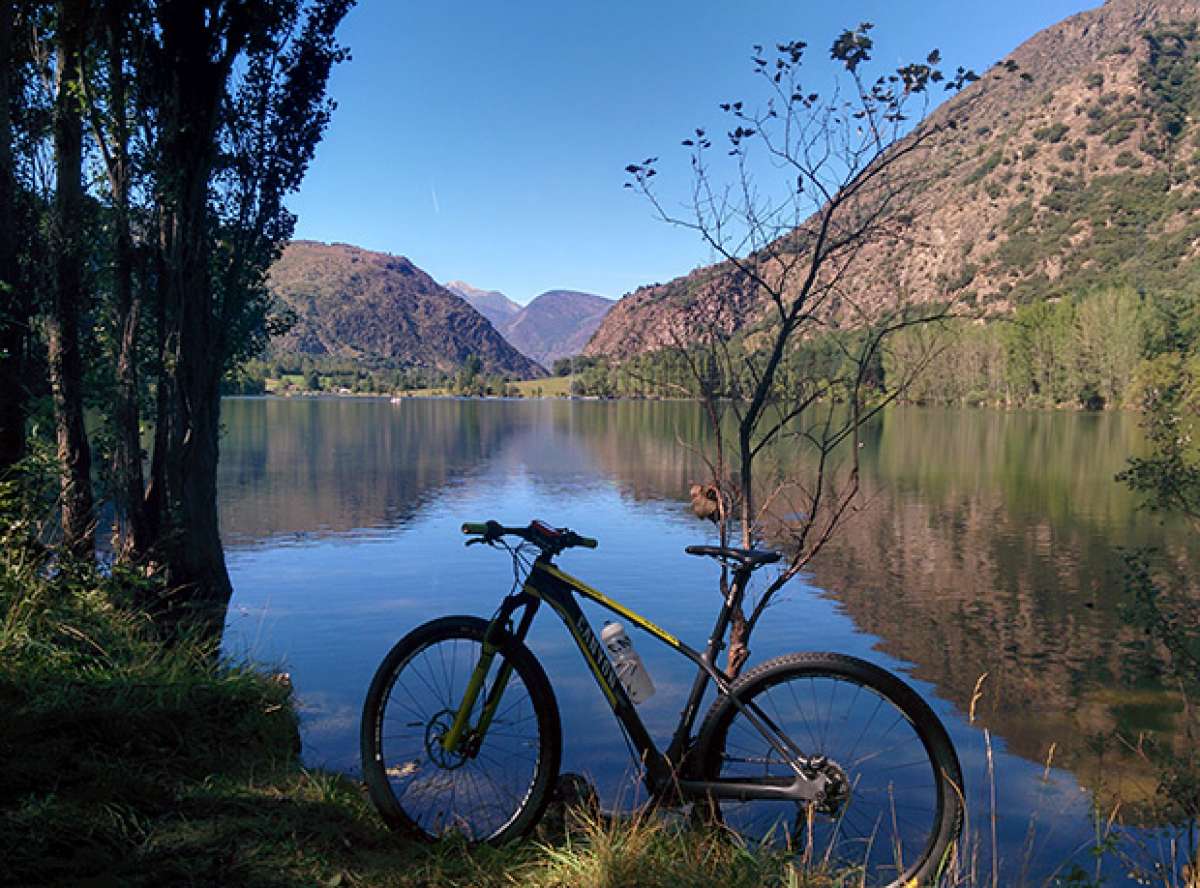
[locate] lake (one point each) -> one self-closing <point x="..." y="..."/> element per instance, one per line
<point x="988" y="544"/>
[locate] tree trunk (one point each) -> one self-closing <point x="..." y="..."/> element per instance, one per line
<point x="66" y="363"/>
<point x="14" y="319"/>
<point x="127" y="445"/>
<point x="184" y="486"/>
<point x="133" y="532"/>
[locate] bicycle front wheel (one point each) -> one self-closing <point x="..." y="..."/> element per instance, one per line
<point x="891" y="805"/>
<point x="490" y="790"/>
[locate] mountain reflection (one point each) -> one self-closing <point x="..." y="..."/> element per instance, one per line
<point x="330" y="466"/>
<point x="988" y="543"/>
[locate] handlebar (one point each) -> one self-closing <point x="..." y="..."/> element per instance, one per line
<point x="547" y="538"/>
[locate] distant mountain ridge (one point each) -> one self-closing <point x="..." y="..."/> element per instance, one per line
<point x="1082" y="172"/>
<point x="556" y="324"/>
<point x="381" y="309"/>
<point x="492" y="304"/>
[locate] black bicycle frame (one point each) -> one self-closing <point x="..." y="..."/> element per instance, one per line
<point x="546" y="582"/>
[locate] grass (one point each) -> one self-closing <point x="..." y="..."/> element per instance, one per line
<point x="550" y="387"/>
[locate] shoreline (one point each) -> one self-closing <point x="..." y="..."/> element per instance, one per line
<point x="403" y="396"/>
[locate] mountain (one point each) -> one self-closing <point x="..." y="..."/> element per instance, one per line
<point x="1080" y="172"/>
<point x="382" y="309"/>
<point x="492" y="304"/>
<point x="557" y="324"/>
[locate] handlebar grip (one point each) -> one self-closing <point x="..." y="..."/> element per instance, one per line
<point x="588" y="542"/>
<point x="475" y="527"/>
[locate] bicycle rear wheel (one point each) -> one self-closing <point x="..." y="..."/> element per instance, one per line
<point x="493" y="790"/>
<point x="892" y="806"/>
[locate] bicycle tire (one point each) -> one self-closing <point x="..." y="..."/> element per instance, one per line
<point x="411" y="701"/>
<point x="856" y="831"/>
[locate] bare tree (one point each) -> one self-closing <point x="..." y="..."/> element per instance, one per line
<point x="784" y="351"/>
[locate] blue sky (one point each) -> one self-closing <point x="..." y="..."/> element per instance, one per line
<point x="486" y="140"/>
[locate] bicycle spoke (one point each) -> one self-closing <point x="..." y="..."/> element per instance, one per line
<point x="878" y="814"/>
<point x="482" y="784"/>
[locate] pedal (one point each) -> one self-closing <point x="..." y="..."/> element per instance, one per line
<point x="575" y="791"/>
<point x="573" y="802"/>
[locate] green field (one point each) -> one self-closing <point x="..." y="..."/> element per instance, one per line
<point x="550" y="387"/>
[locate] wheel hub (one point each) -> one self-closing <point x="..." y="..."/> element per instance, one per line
<point x="835" y="789"/>
<point x="436" y="731"/>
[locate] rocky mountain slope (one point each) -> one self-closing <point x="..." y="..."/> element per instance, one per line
<point x="557" y="324"/>
<point x="492" y="304"/>
<point x="382" y="310"/>
<point x="1081" y="172"/>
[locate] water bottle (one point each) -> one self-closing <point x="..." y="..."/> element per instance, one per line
<point x="630" y="669"/>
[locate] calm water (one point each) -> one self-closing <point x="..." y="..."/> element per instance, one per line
<point x="989" y="543"/>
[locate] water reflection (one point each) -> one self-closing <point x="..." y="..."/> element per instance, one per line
<point x="989" y="544"/>
<point x="328" y="466"/>
<point x="993" y="545"/>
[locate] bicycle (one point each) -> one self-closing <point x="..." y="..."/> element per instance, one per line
<point x="821" y="753"/>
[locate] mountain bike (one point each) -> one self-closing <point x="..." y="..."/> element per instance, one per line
<point x="821" y="754"/>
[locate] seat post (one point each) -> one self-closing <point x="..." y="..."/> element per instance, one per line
<point x="737" y="588"/>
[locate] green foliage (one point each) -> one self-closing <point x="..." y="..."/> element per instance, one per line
<point x="1131" y="228"/>
<point x="296" y="373"/>
<point x="1120" y="129"/>
<point x="1052" y="133"/>
<point x="1127" y="159"/>
<point x="1169" y="478"/>
<point x="993" y="160"/>
<point x="1113" y="123"/>
<point x="1096" y="349"/>
<point x="1170" y="82"/>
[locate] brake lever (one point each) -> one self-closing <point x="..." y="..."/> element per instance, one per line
<point x="473" y="541"/>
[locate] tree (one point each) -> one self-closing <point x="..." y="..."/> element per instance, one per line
<point x="1039" y="341"/>
<point x="848" y="159"/>
<point x="70" y="297"/>
<point x="466" y="383"/>
<point x="237" y="98"/>
<point x="14" y="297"/>
<point x="1107" y="345"/>
<point x="115" y="104"/>
<point x="202" y="117"/>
